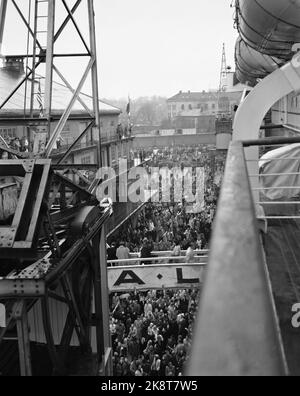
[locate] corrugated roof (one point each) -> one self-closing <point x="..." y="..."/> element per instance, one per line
<point x="60" y="100"/>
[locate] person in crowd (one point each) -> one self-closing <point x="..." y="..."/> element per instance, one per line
<point x="190" y="254"/>
<point x="24" y="145"/>
<point x="112" y="252"/>
<point x="199" y="242"/>
<point x="176" y="251"/>
<point x="146" y="251"/>
<point x="16" y="144"/>
<point x="4" y="155"/>
<point x="122" y="253"/>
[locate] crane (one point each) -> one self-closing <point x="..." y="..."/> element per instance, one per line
<point x="53" y="277"/>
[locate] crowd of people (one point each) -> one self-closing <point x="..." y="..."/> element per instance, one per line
<point x="15" y="143"/>
<point x="163" y="227"/>
<point x="152" y="332"/>
<point x="167" y="225"/>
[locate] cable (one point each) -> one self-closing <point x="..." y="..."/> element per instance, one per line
<point x="27" y="58"/>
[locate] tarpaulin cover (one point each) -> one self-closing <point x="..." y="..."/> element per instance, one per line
<point x="286" y="162"/>
<point x="252" y="65"/>
<point x="269" y="26"/>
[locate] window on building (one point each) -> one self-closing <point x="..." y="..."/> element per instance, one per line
<point x="213" y="106"/>
<point x="182" y="107"/>
<point x="112" y="123"/>
<point x="86" y="160"/>
<point x="190" y="107"/>
<point x="8" y="133"/>
<point x="113" y="153"/>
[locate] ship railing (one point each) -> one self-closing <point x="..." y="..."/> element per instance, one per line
<point x="286" y="206"/>
<point x="237" y="331"/>
<point x="200" y="257"/>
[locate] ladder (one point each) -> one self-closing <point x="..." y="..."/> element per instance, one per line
<point x="39" y="52"/>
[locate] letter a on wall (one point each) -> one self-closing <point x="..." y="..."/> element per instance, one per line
<point x="2" y="316"/>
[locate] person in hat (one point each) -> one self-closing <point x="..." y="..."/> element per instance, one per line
<point x="146" y="251"/>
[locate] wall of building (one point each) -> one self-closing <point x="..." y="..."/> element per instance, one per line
<point x="71" y="131"/>
<point x="223" y="141"/>
<point x="210" y="107"/>
<point x="176" y="108"/>
<point x="202" y="124"/>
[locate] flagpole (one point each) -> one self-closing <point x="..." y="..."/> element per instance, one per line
<point x="129" y="114"/>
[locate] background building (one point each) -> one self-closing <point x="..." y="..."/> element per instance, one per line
<point x="202" y="103"/>
<point x="197" y="112"/>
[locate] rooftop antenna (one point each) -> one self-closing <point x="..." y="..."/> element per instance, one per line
<point x="224" y="70"/>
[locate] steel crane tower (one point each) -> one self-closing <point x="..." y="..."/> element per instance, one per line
<point x="43" y="52"/>
<point x="53" y="271"/>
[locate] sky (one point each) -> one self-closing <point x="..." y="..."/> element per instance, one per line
<point x="145" y="47"/>
<point x="158" y="47"/>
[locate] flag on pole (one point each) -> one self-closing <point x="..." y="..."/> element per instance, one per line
<point x="128" y="109"/>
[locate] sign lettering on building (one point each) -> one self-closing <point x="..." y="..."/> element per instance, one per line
<point x="167" y="276"/>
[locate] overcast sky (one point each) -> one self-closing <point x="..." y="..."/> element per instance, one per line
<point x="146" y="47"/>
<point x="158" y="47"/>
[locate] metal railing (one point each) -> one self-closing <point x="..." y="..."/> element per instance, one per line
<point x="287" y="179"/>
<point x="89" y="144"/>
<point x="200" y="257"/>
<point x="237" y="331"/>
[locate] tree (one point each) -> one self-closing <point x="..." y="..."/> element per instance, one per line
<point x="145" y="110"/>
